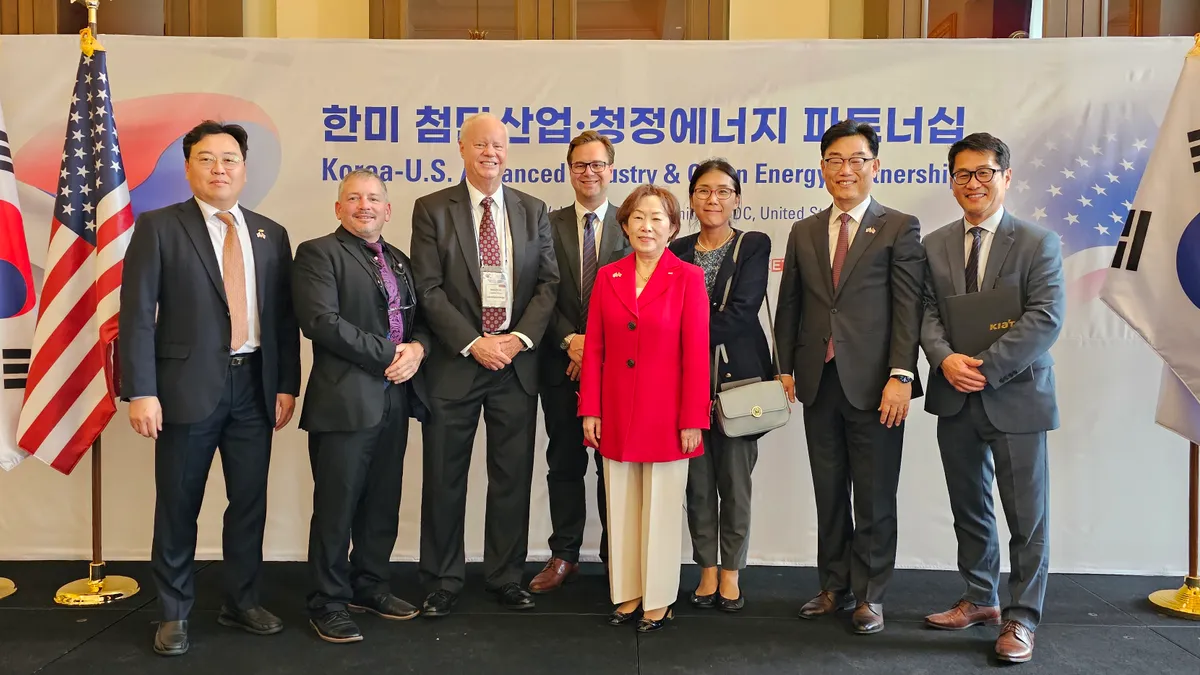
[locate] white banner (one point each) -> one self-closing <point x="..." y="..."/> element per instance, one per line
<point x="1080" y="116"/>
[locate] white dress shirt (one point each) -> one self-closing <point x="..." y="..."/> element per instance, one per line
<point x="835" y="229"/>
<point x="216" y="234"/>
<point x="985" y="242"/>
<point x="500" y="218"/>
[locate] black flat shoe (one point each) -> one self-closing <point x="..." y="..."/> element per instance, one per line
<point x="726" y="605"/>
<point x="650" y="625"/>
<point x="618" y="617"/>
<point x="703" y="601"/>
<point x="512" y="596"/>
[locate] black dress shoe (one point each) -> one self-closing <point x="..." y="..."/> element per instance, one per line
<point x="726" y="605"/>
<point x="650" y="625"/>
<point x="387" y="606"/>
<point x="511" y="596"/>
<point x="439" y="602"/>
<point x="171" y="638"/>
<point x="336" y="627"/>
<point x="254" y="620"/>
<point x="703" y="601"/>
<point x="618" y="617"/>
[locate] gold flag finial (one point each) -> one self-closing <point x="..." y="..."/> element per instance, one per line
<point x="88" y="43"/>
<point x="1196" y="49"/>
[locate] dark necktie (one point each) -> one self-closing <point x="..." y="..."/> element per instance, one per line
<point x="973" y="260"/>
<point x="489" y="254"/>
<point x="395" y="314"/>
<point x="839" y="259"/>
<point x="589" y="262"/>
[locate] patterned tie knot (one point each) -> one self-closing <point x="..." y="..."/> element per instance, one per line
<point x="227" y="218"/>
<point x="976" y="232"/>
<point x="845" y="218"/>
<point x="486" y="203"/>
<point x="375" y="246"/>
<point x="589" y="220"/>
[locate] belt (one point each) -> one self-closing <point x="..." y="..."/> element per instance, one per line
<point x="242" y="359"/>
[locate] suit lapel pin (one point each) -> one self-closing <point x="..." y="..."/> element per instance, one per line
<point x="870" y="230"/>
<point x="260" y="234"/>
<point x="616" y="275"/>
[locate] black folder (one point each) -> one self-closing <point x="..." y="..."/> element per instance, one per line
<point x="976" y="320"/>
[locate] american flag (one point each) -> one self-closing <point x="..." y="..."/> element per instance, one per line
<point x="69" y="394"/>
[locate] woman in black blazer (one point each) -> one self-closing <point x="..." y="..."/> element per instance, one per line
<point x="736" y="335"/>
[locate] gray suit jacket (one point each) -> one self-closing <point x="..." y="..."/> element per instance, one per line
<point x="445" y="263"/>
<point x="1019" y="396"/>
<point x="874" y="317"/>
<point x="568" y="314"/>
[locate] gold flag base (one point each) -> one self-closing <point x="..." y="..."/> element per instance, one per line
<point x="1183" y="602"/>
<point x="97" y="589"/>
<point x="7" y="588"/>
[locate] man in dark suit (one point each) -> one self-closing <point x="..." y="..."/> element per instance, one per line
<point x="848" y="328"/>
<point x="994" y="408"/>
<point x="487" y="278"/>
<point x="355" y="301"/>
<point x="586" y="238"/>
<point x="210" y="354"/>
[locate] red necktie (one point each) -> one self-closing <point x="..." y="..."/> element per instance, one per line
<point x="839" y="259"/>
<point x="489" y="254"/>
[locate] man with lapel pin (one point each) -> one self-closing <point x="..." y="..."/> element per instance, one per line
<point x="847" y="331"/>
<point x="355" y="301"/>
<point x="210" y="356"/>
<point x="487" y="279"/>
<point x="586" y="238"/>
<point x="994" y="408"/>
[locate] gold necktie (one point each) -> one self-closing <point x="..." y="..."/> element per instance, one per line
<point x="234" y="273"/>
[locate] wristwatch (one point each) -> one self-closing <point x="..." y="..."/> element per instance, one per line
<point x="904" y="379"/>
<point x="566" y="342"/>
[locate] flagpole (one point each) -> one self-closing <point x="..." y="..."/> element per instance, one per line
<point x="99" y="588"/>
<point x="1184" y="602"/>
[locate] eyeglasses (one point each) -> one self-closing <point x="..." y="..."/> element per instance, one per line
<point x="227" y="162"/>
<point x="723" y="194"/>
<point x="985" y="175"/>
<point x="856" y="163"/>
<point x="596" y="167"/>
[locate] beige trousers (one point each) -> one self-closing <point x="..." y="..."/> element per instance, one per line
<point x="645" y="530"/>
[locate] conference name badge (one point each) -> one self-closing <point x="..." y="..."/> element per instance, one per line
<point x="493" y="286"/>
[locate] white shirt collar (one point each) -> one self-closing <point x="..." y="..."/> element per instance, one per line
<point x="856" y="213"/>
<point x="581" y="212"/>
<point x="208" y="211"/>
<point x="477" y="196"/>
<point x="991" y="224"/>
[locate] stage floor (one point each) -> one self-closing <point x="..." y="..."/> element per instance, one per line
<point x="1093" y="624"/>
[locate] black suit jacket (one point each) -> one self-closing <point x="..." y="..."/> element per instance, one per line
<point x="342" y="307"/>
<point x="874" y="316"/>
<point x="445" y="254"/>
<point x="182" y="354"/>
<point x="568" y="314"/>
<point x="738" y="327"/>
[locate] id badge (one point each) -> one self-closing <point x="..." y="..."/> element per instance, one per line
<point x="494" y="286"/>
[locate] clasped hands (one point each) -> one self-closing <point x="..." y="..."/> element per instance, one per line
<point x="405" y="363"/>
<point x="496" y="351"/>
<point x="962" y="372"/>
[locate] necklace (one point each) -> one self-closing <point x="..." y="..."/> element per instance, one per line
<point x="643" y="277"/>
<point x="706" y="249"/>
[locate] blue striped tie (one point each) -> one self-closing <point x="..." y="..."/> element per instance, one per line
<point x="589" y="262"/>
<point x="973" y="260"/>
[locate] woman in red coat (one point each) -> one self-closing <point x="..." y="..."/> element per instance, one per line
<point x="644" y="397"/>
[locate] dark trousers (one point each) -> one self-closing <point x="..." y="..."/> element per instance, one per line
<point x="567" y="458"/>
<point x="848" y="447"/>
<point x="510" y="416"/>
<point x="357" y="476"/>
<point x="183" y="455"/>
<point x="718" y="500"/>
<point x="974" y="453"/>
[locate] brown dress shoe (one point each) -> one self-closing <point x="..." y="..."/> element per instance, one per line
<point x="556" y="572"/>
<point x="964" y="615"/>
<point x="826" y="602"/>
<point x="868" y="618"/>
<point x="1015" y="644"/>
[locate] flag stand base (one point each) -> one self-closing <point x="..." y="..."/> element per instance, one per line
<point x="1183" y="602"/>
<point x="7" y="588"/>
<point x="97" y="589"/>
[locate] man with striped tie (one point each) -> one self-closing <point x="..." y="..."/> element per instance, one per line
<point x="586" y="238"/>
<point x="486" y="276"/>
<point x="210" y="358"/>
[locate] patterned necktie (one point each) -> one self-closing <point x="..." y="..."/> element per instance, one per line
<point x="233" y="271"/>
<point x="395" y="315"/>
<point x="489" y="254"/>
<point x="589" y="262"/>
<point x="839" y="259"/>
<point x="973" y="260"/>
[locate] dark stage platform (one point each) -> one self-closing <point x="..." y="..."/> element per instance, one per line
<point x="1093" y="624"/>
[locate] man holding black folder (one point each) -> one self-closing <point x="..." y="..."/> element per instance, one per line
<point x="994" y="305"/>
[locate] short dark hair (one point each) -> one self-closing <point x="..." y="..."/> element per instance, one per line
<point x="670" y="203"/>
<point x="212" y="128"/>
<point x="715" y="164"/>
<point x="848" y="128"/>
<point x="591" y="136"/>
<point x="983" y="142"/>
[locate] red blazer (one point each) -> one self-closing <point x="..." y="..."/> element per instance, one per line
<point x="645" y="360"/>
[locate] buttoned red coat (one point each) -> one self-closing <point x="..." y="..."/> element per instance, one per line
<point x="645" y="360"/>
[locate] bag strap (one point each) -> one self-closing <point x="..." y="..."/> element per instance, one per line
<point x="737" y="246"/>
<point x="720" y="350"/>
